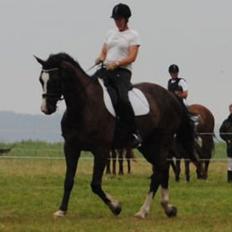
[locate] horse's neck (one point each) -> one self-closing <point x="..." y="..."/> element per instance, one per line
<point x="78" y="91"/>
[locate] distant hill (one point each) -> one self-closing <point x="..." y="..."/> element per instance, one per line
<point x="16" y="127"/>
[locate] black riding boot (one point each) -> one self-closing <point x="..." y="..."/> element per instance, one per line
<point x="229" y="176"/>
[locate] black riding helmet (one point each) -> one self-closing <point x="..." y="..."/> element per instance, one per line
<point x="173" y="68"/>
<point x="121" y="10"/>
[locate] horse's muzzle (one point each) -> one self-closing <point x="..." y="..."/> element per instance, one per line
<point x="48" y="109"/>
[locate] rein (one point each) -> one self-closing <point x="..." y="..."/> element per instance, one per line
<point x="53" y="95"/>
<point x="50" y="70"/>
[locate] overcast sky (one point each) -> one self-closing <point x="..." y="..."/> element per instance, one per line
<point x="195" y="34"/>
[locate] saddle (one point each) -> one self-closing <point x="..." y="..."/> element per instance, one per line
<point x="137" y="100"/>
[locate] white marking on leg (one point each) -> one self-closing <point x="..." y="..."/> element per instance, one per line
<point x="144" y="210"/>
<point x="165" y="198"/>
<point x="229" y="164"/>
<point x="113" y="202"/>
<point x="45" y="78"/>
<point x="164" y="195"/>
<point x="59" y="213"/>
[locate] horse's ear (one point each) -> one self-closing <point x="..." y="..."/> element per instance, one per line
<point x="42" y="62"/>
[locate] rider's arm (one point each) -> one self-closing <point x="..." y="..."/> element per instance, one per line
<point x="102" y="54"/>
<point x="132" y="55"/>
<point x="184" y="93"/>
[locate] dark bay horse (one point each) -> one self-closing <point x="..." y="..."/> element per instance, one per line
<point x="204" y="143"/>
<point x="88" y="126"/>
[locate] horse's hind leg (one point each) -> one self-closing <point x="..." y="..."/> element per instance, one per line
<point x="178" y="170"/>
<point x="98" y="169"/>
<point x="120" y="161"/>
<point x="187" y="169"/>
<point x="108" y="162"/>
<point x="160" y="176"/>
<point x="170" y="210"/>
<point x="114" y="159"/>
<point x="206" y="168"/>
<point x="154" y="185"/>
<point x="129" y="157"/>
<point x="71" y="156"/>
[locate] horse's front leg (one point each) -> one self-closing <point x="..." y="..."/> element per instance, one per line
<point x="114" y="160"/>
<point x="96" y="184"/>
<point x="108" y="162"/>
<point x="72" y="155"/>
<point x="120" y="161"/>
<point x="187" y="170"/>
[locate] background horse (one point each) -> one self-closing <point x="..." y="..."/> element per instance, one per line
<point x="204" y="143"/>
<point x="119" y="155"/>
<point x="88" y="125"/>
<point x="5" y="150"/>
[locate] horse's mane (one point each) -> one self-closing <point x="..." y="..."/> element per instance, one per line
<point x="55" y="60"/>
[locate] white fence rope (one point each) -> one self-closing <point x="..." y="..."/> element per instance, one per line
<point x="31" y="149"/>
<point x="91" y="158"/>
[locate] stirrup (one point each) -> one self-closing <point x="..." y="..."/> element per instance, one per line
<point x="195" y="119"/>
<point x="136" y="140"/>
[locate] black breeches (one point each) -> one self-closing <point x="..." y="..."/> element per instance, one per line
<point x="118" y="83"/>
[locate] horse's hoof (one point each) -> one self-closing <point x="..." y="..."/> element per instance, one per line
<point x="59" y="214"/>
<point x="141" y="215"/>
<point x="171" y="212"/>
<point x="116" y="209"/>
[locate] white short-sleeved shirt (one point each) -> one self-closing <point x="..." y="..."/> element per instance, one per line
<point x="183" y="84"/>
<point x="118" y="43"/>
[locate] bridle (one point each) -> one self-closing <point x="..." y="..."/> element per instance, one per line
<point x="55" y="96"/>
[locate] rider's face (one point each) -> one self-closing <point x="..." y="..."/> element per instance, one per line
<point x="174" y="75"/>
<point x="230" y="108"/>
<point x="121" y="23"/>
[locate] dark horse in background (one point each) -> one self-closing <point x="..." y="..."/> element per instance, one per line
<point x="119" y="155"/>
<point x="204" y="143"/>
<point x="88" y="126"/>
<point x="5" y="150"/>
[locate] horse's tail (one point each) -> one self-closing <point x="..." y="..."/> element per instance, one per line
<point x="208" y="145"/>
<point x="185" y="136"/>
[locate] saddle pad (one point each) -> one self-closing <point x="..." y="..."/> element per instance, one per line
<point x="137" y="99"/>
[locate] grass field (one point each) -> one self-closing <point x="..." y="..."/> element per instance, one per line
<point x="31" y="190"/>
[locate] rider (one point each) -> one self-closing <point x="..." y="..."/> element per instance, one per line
<point x="178" y="86"/>
<point x="119" y="51"/>
<point x="225" y="133"/>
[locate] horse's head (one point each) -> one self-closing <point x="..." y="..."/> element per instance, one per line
<point x="50" y="79"/>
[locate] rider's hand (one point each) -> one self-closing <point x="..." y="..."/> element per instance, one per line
<point x="178" y="93"/>
<point x="98" y="61"/>
<point x="112" y="66"/>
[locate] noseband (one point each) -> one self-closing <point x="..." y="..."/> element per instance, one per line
<point x="55" y="96"/>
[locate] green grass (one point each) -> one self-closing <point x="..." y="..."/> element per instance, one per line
<point x="31" y="190"/>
